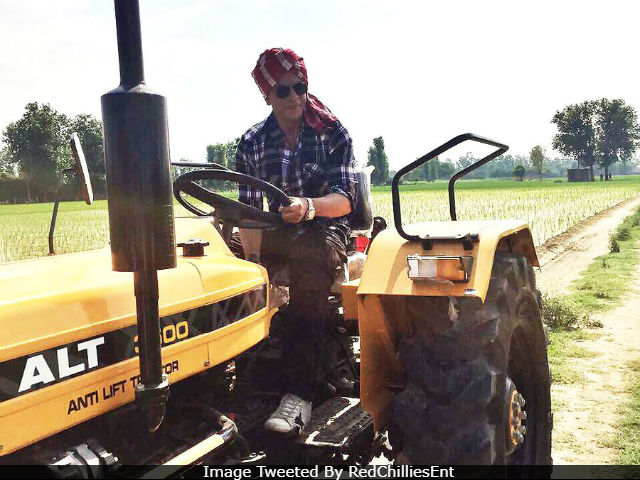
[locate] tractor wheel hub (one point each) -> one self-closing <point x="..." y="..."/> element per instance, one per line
<point x="516" y="416"/>
<point x="517" y="429"/>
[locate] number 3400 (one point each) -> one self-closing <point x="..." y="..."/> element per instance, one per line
<point x="169" y="334"/>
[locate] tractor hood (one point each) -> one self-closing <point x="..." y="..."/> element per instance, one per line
<point x="52" y="301"/>
<point x="68" y="350"/>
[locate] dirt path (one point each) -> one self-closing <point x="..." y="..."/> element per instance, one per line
<point x="586" y="419"/>
<point x="587" y="413"/>
<point x="564" y="257"/>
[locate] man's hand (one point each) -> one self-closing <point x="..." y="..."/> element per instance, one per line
<point x="295" y="212"/>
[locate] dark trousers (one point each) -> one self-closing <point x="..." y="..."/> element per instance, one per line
<point x="313" y="257"/>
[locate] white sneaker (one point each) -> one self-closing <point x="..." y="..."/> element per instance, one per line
<point x="293" y="414"/>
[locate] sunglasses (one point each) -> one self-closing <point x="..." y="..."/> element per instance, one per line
<point x="282" y="91"/>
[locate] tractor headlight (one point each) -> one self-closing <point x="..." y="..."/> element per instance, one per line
<point x="426" y="267"/>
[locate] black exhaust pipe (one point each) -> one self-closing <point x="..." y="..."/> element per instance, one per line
<point x="136" y="146"/>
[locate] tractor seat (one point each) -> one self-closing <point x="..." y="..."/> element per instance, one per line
<point x="361" y="219"/>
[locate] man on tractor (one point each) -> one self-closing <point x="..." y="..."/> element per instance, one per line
<point x="304" y="150"/>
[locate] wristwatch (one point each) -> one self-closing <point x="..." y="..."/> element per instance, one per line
<point x="311" y="210"/>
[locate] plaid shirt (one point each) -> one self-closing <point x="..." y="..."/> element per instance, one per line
<point x="321" y="164"/>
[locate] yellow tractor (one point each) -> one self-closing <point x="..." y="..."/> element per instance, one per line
<point x="438" y="347"/>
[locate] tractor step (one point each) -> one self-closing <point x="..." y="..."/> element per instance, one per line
<point x="337" y="423"/>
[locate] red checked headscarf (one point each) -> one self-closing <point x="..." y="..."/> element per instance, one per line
<point x="275" y="63"/>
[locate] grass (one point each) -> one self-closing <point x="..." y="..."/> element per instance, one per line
<point x="562" y="313"/>
<point x="548" y="207"/>
<point x="602" y="286"/>
<point x="627" y="439"/>
<point x="563" y="349"/>
<point x="24" y="229"/>
<point x="605" y="282"/>
<point x="623" y="232"/>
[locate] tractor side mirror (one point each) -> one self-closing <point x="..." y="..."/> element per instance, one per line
<point x="80" y="168"/>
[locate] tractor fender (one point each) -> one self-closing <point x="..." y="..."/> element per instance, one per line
<point x="379" y="298"/>
<point x="386" y="269"/>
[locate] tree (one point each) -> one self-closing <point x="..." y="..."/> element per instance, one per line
<point x="378" y="158"/>
<point x="217" y="154"/>
<point x="445" y="169"/>
<point x="466" y="161"/>
<point x="557" y="167"/>
<point x="38" y="144"/>
<point x="537" y="157"/>
<point x="429" y="171"/>
<point x="576" y="133"/>
<point x="223" y="154"/>
<point x="617" y="132"/>
<point x="501" y="167"/>
<point x="518" y="172"/>
<point x="7" y="166"/>
<point x="230" y="153"/>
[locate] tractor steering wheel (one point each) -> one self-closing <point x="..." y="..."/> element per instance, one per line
<point x="231" y="213"/>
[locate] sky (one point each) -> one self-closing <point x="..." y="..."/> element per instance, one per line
<point x="416" y="73"/>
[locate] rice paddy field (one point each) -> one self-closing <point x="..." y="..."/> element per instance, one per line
<point x="549" y="206"/>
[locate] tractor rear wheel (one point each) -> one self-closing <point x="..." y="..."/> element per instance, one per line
<point x="477" y="376"/>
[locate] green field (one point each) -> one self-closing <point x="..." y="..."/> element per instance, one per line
<point x="548" y="206"/>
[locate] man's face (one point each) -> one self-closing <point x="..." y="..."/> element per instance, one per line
<point x="289" y="108"/>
